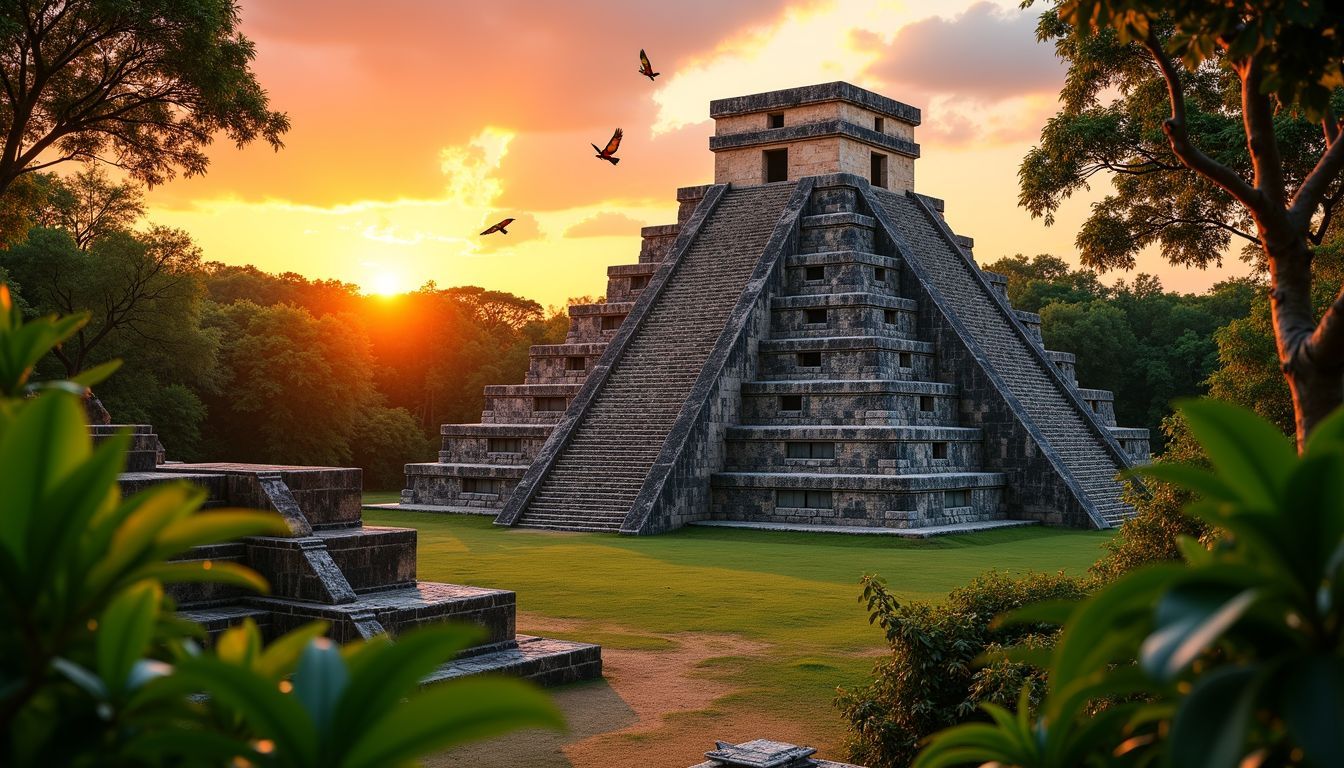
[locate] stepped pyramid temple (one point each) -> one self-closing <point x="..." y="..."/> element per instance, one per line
<point x="808" y="345"/>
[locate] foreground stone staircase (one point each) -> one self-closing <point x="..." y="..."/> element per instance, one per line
<point x="360" y="579"/>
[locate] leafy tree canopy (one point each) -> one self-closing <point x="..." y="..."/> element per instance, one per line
<point x="145" y="85"/>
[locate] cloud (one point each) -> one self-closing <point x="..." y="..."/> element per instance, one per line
<point x="987" y="53"/>
<point x="605" y="225"/>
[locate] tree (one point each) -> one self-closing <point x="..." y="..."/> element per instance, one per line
<point x="145" y="286"/>
<point x="1043" y="279"/>
<point x="89" y="205"/>
<point x="1248" y="149"/>
<point x="144" y="85"/>
<point x="296" y="385"/>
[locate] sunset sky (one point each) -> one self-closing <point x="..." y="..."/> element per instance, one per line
<point x="418" y="122"/>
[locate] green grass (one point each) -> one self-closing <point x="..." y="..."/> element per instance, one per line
<point x="796" y="592"/>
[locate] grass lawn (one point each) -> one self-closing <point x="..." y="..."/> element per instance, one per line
<point x="793" y="597"/>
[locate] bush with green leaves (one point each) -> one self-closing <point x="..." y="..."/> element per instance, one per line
<point x="930" y="680"/>
<point x="1234" y="657"/>
<point x="97" y="669"/>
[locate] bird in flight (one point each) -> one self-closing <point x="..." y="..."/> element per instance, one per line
<point x="645" y="68"/>
<point x="500" y="227"/>
<point x="612" y="146"/>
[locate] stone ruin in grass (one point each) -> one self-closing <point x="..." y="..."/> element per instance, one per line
<point x="359" y="578"/>
<point x="810" y="345"/>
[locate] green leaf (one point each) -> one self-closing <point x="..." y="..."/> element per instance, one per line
<point x="1328" y="435"/>
<point x="382" y="673"/>
<point x="46" y="442"/>
<point x="239" y="645"/>
<point x="215" y="572"/>
<point x="280" y="657"/>
<point x="1190" y="619"/>
<point x="86" y="680"/>
<point x="319" y="681"/>
<point x="1251" y="456"/>
<point x="1201" y="481"/>
<point x="1105" y="615"/>
<point x="218" y="526"/>
<point x="1192" y="551"/>
<point x="255" y="699"/>
<point x="124" y="631"/>
<point x="1313" y="707"/>
<point x="451" y="713"/>
<point x="1210" y="726"/>
<point x="96" y="375"/>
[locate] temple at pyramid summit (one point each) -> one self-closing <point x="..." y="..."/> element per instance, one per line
<point x="809" y="345"/>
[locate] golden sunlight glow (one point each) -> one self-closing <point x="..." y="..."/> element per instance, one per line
<point x="385" y="284"/>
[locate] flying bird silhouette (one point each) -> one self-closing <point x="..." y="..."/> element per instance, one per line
<point x="500" y="227"/>
<point x="612" y="146"/>
<point x="645" y="68"/>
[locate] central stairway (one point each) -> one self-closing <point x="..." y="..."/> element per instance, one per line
<point x="597" y="475"/>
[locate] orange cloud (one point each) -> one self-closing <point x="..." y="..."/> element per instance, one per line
<point x="605" y="225"/>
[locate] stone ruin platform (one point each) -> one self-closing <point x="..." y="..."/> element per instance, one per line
<point x="361" y="579"/>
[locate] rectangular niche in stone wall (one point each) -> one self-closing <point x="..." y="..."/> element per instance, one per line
<point x="790" y="402"/>
<point x="878" y="170"/>
<point x="549" y="404"/>
<point x="810" y="450"/>
<point x="802" y="499"/>
<point x="505" y="445"/>
<point x="776" y="165"/>
<point x="482" y="485"/>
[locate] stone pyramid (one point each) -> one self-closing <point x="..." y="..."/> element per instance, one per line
<point x="809" y="345"/>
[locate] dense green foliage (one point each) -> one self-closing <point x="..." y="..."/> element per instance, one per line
<point x="932" y="680"/>
<point x="95" y="668"/>
<point x="1232" y="657"/>
<point x="1147" y="345"/>
<point x="232" y="363"/>
<point x="144" y="84"/>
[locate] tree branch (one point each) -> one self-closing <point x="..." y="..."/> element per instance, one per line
<point x="1309" y="196"/>
<point x="1261" y="143"/>
<point x="1178" y="135"/>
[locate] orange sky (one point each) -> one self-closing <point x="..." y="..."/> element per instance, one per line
<point x="416" y="123"/>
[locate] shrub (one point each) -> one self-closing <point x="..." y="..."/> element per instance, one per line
<point x="1151" y="535"/>
<point x="930" y="680"/>
<point x="1231" y="658"/>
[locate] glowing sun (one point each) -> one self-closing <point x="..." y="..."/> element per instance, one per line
<point x="385" y="284"/>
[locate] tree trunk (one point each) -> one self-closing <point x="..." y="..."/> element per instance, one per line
<point x="1316" y="393"/>
<point x="1315" y="374"/>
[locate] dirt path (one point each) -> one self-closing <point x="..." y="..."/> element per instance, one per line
<point x="654" y="709"/>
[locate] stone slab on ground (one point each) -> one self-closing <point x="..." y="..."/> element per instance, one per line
<point x="907" y="533"/>
<point x="543" y="661"/>
<point x="445" y="510"/>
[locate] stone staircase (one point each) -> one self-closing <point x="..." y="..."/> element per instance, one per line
<point x="1087" y="458"/>
<point x="599" y="472"/>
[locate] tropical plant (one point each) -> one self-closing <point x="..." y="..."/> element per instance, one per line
<point x="97" y="669"/>
<point x="1234" y="657"/>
